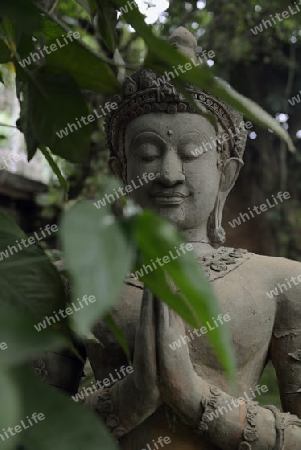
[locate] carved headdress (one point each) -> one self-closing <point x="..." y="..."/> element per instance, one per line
<point x="144" y="93"/>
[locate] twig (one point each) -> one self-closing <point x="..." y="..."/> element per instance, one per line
<point x="54" y="6"/>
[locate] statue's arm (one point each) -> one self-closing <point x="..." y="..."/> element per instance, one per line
<point x="230" y="423"/>
<point x="130" y="401"/>
<point x="269" y="428"/>
<point x="122" y="407"/>
<point x="227" y="422"/>
<point x="285" y="346"/>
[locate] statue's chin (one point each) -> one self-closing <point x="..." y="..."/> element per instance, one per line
<point x="175" y="215"/>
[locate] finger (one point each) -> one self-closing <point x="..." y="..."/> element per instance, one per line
<point x="162" y="315"/>
<point x="147" y="310"/>
<point x="162" y="336"/>
<point x="145" y="342"/>
<point x="167" y="318"/>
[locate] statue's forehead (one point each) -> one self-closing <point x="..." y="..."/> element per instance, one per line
<point x="169" y="126"/>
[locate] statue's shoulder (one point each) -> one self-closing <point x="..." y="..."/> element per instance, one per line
<point x="279" y="277"/>
<point x="263" y="272"/>
<point x="276" y="267"/>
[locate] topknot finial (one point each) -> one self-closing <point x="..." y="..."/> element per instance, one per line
<point x="184" y="41"/>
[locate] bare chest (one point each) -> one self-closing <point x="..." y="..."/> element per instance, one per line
<point x="247" y="315"/>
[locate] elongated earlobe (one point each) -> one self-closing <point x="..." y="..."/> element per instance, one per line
<point x="229" y="174"/>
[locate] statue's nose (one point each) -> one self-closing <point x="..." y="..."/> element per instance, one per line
<point x="171" y="170"/>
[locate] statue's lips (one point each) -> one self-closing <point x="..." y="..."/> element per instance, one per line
<point x="169" y="198"/>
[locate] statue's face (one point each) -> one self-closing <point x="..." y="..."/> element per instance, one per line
<point x="185" y="187"/>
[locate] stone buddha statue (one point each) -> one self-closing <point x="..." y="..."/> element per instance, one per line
<point x="179" y="397"/>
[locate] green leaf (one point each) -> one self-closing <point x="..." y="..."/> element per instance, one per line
<point x="164" y="56"/>
<point x="24" y="46"/>
<point x="193" y="297"/>
<point x="23" y="13"/>
<point x="98" y="255"/>
<point x="77" y="60"/>
<point x="107" y="21"/>
<point x="251" y="110"/>
<point x="8" y="225"/>
<point x="55" y="168"/>
<point x="28" y="281"/>
<point x="88" y="5"/>
<point x="10" y="412"/>
<point x="22" y="339"/>
<point x="24" y="121"/>
<point x="66" y="425"/>
<point x="5" y="53"/>
<point x="54" y="101"/>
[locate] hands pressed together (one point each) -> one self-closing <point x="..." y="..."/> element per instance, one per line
<point x="163" y="375"/>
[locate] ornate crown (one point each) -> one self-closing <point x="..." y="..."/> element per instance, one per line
<point x="144" y="93"/>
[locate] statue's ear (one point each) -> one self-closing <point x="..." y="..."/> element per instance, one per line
<point x="115" y="167"/>
<point x="230" y="173"/>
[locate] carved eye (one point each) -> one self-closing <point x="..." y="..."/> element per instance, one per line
<point x="194" y="150"/>
<point x="195" y="145"/>
<point x="148" y="152"/>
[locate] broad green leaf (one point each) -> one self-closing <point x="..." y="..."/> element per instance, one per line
<point x="98" y="256"/>
<point x="19" y="42"/>
<point x="10" y="412"/>
<point x="107" y="21"/>
<point x="28" y="281"/>
<point x="24" y="342"/>
<point x="89" y="5"/>
<point x="23" y="13"/>
<point x="24" y="43"/>
<point x="24" y="121"/>
<point x="55" y="168"/>
<point x="90" y="72"/>
<point x="54" y="101"/>
<point x="8" y="225"/>
<point x="66" y="425"/>
<point x="163" y="56"/>
<point x="77" y="60"/>
<point x="193" y="297"/>
<point x="5" y="53"/>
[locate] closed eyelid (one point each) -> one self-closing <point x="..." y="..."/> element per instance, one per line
<point x="192" y="139"/>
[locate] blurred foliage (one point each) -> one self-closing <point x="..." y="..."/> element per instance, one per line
<point x="63" y="84"/>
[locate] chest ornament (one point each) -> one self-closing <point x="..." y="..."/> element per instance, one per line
<point x="222" y="261"/>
